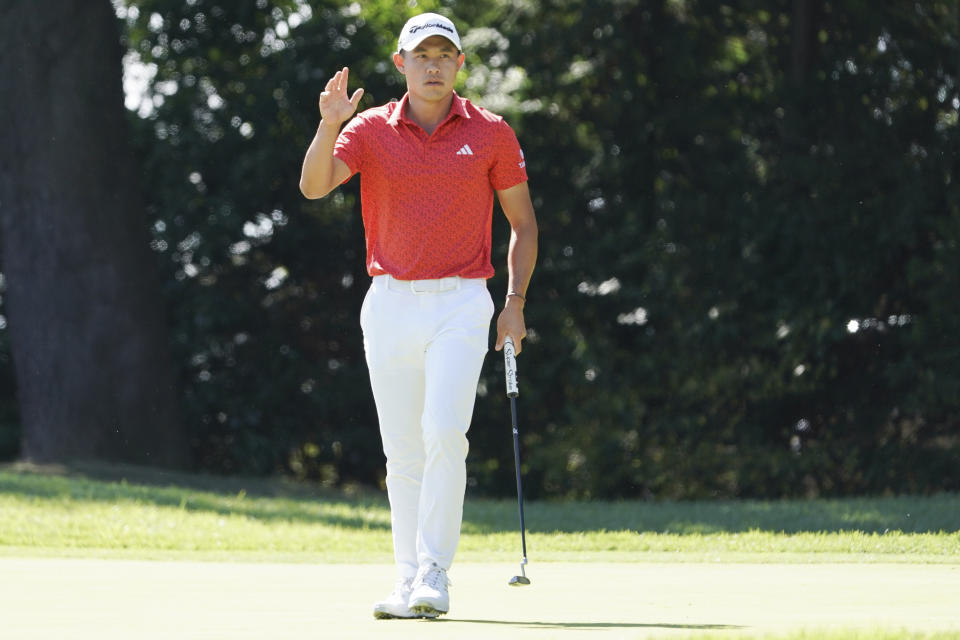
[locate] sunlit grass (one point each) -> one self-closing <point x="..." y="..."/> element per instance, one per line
<point x="133" y="512"/>
<point x="834" y="634"/>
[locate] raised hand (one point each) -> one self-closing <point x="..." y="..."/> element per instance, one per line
<point x="334" y="104"/>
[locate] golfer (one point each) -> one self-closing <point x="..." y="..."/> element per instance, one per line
<point x="430" y="165"/>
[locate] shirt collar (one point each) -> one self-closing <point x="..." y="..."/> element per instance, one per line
<point x="457" y="108"/>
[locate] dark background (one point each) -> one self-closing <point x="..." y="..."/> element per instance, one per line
<point x="749" y="222"/>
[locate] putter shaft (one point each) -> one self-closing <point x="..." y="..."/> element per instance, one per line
<point x="516" y="459"/>
<point x="513" y="390"/>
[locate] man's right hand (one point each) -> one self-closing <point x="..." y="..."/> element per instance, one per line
<point x="322" y="171"/>
<point x="335" y="107"/>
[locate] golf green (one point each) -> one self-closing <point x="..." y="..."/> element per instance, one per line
<point x="104" y="599"/>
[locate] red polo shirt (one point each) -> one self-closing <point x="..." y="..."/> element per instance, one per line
<point x="427" y="200"/>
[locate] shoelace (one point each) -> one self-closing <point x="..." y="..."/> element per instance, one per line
<point x="403" y="586"/>
<point x="434" y="577"/>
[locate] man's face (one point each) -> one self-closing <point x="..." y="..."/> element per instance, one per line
<point x="430" y="68"/>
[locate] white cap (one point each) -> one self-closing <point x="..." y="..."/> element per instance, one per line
<point x="421" y="27"/>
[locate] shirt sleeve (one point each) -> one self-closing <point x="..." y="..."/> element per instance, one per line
<point x="509" y="168"/>
<point x="349" y="147"/>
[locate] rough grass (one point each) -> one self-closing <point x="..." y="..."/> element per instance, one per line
<point x="124" y="511"/>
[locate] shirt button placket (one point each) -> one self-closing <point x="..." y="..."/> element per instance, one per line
<point x="429" y="144"/>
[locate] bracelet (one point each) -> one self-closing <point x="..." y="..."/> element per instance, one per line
<point x="516" y="295"/>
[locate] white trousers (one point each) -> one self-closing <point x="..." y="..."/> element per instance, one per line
<point x="425" y="341"/>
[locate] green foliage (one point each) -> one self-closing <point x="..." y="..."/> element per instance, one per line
<point x="730" y="299"/>
<point x="263" y="286"/>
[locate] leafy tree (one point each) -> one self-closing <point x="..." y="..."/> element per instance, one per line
<point x="742" y="196"/>
<point x="265" y="286"/>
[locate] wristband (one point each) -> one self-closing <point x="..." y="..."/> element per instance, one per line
<point x="516" y="295"/>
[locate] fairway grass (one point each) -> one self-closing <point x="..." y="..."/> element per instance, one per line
<point x="122" y="599"/>
<point x="158" y="515"/>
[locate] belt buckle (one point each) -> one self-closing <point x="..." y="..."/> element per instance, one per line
<point x="418" y="291"/>
<point x="435" y="286"/>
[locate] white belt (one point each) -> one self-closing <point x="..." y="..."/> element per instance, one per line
<point x="421" y="287"/>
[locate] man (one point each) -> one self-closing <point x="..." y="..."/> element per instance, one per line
<point x="430" y="165"/>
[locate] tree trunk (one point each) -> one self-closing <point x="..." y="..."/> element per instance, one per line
<point x="86" y="324"/>
<point x="805" y="18"/>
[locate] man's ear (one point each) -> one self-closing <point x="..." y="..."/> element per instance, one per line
<point x="398" y="62"/>
<point x="460" y="60"/>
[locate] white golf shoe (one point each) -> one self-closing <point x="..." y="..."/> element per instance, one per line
<point x="395" y="605"/>
<point x="430" y="597"/>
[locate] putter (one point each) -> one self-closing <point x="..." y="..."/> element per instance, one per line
<point x="510" y="360"/>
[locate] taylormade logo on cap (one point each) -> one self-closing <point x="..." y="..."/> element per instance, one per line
<point x="421" y="27"/>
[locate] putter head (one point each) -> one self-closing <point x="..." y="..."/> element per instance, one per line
<point x="519" y="581"/>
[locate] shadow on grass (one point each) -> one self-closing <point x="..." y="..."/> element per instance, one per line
<point x="257" y="498"/>
<point x="594" y="626"/>
<point x="928" y="514"/>
<point x="274" y="499"/>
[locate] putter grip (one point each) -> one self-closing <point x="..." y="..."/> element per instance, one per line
<point x="510" y="362"/>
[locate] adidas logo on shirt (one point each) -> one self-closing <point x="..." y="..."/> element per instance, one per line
<point x="465" y="150"/>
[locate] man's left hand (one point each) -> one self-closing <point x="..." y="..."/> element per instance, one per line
<point x="510" y="323"/>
